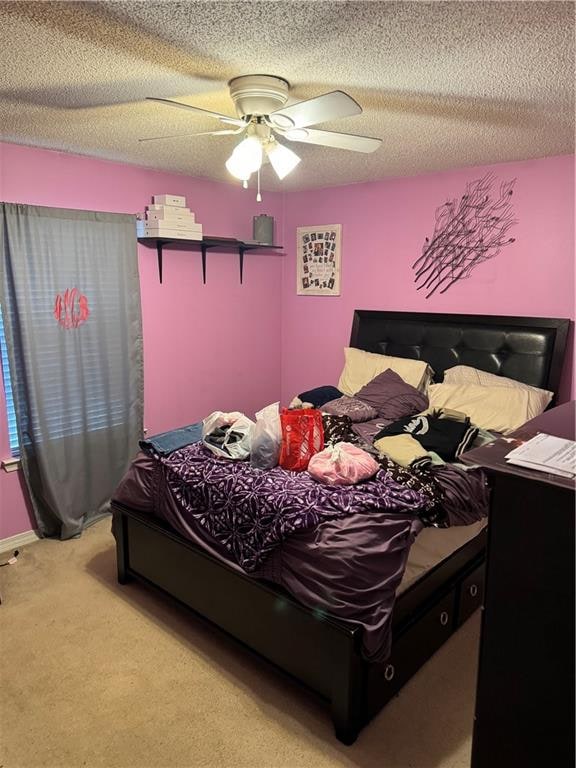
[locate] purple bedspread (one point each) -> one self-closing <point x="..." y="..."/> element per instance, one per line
<point x="250" y="512"/>
<point x="349" y="564"/>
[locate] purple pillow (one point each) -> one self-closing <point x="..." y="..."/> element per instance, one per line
<point x="356" y="410"/>
<point x="391" y="396"/>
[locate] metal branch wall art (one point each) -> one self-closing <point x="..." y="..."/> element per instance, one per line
<point x="467" y="233"/>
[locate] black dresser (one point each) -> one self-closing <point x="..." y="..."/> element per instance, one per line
<point x="525" y="694"/>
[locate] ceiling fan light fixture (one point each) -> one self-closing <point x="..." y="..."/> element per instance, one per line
<point x="282" y="159"/>
<point x="246" y="158"/>
<point x="261" y="105"/>
<point x="236" y="169"/>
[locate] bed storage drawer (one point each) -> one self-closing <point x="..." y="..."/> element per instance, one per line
<point x="471" y="594"/>
<point x="411" y="649"/>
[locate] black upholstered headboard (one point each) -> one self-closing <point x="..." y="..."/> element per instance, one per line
<point x="528" y="349"/>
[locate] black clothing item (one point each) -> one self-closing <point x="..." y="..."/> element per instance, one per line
<point x="320" y="395"/>
<point x="444" y="436"/>
<point x="338" y="429"/>
<point x="223" y="435"/>
<point x="420" y="479"/>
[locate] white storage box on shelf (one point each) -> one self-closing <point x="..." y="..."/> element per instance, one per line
<point x="176" y="200"/>
<point x="174" y="224"/>
<point x="170" y="232"/>
<point x="170" y="217"/>
<point x="170" y="210"/>
<point x="185" y="227"/>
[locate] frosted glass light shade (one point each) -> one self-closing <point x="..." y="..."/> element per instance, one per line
<point x="237" y="169"/>
<point x="283" y="160"/>
<point x="246" y="158"/>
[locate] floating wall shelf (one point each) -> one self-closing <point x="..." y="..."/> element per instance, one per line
<point x="219" y="243"/>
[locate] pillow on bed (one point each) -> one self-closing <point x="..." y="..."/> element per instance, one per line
<point x="352" y="407"/>
<point x="539" y="399"/>
<point x="360" y="367"/>
<point x="392" y="397"/>
<point x="499" y="409"/>
<point x="320" y="395"/>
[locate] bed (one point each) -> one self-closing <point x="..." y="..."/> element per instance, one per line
<point x="321" y="651"/>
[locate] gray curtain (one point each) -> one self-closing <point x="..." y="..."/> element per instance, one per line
<point x="71" y="304"/>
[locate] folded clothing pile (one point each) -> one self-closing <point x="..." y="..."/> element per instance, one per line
<point x="447" y="434"/>
<point x="164" y="443"/>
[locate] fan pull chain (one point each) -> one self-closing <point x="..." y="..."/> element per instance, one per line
<point x="258" y="195"/>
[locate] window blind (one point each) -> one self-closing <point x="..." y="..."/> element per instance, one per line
<point x="9" y="397"/>
<point x="79" y="391"/>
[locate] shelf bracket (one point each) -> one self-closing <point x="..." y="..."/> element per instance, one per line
<point x="159" y="252"/>
<point x="241" y="251"/>
<point x="204" y="248"/>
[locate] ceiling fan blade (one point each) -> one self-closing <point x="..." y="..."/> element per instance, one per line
<point x="225" y="132"/>
<point x="329" y="106"/>
<point x="332" y="139"/>
<point x="217" y="115"/>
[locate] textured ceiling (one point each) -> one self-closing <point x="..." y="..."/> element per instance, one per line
<point x="444" y="85"/>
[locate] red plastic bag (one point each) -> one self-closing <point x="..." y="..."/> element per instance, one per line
<point x="302" y="437"/>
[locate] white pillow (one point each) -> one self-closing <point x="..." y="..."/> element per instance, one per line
<point x="360" y="367"/>
<point x="499" y="409"/>
<point x="538" y="399"/>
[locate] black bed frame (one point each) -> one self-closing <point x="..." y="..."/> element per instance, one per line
<point x="320" y="651"/>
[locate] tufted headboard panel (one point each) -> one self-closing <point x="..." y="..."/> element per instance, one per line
<point x="528" y="349"/>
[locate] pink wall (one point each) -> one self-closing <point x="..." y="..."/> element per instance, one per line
<point x="206" y="347"/>
<point x="383" y="229"/>
<point x="236" y="346"/>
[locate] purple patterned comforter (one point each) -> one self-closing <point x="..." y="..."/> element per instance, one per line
<point x="349" y="565"/>
<point x="250" y="512"/>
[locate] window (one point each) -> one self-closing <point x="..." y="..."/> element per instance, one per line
<point x="71" y="302"/>
<point x="11" y="414"/>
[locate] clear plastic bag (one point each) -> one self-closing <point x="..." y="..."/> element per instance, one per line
<point x="266" y="438"/>
<point x="227" y="434"/>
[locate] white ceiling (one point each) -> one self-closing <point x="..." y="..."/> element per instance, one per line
<point x="444" y="84"/>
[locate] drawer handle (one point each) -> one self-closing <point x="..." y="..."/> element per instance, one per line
<point x="444" y="618"/>
<point x="389" y="672"/>
<point x="473" y="590"/>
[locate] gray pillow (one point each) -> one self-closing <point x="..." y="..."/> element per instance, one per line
<point x="391" y="396"/>
<point x="356" y="410"/>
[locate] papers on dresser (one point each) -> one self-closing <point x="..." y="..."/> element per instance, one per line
<point x="546" y="453"/>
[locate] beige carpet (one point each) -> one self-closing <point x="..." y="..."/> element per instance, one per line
<point x="94" y="674"/>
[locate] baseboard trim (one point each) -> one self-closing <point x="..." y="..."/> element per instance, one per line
<point x="19" y="540"/>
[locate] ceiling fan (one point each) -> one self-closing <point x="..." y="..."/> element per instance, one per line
<point x="263" y="118"/>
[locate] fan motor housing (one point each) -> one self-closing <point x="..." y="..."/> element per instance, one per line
<point x="258" y="94"/>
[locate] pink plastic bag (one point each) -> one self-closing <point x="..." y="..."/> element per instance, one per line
<point x="342" y="464"/>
